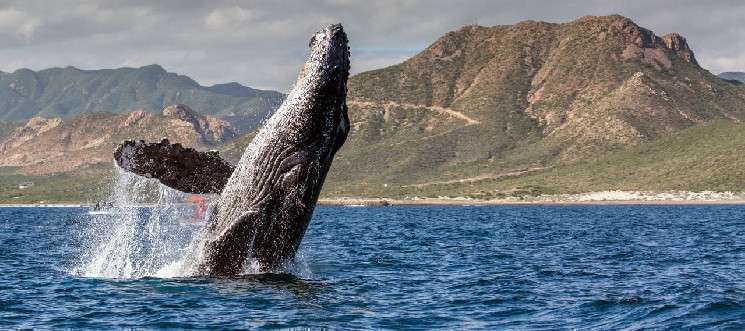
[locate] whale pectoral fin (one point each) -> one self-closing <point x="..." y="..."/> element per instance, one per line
<point x="183" y="169"/>
<point x="229" y="250"/>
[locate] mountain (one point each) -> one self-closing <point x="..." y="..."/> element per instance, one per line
<point x="44" y="146"/>
<point x="598" y="103"/>
<point x="69" y="92"/>
<point x="733" y="76"/>
<point x="485" y="105"/>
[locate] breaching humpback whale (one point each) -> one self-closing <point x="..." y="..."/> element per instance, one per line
<point x="267" y="199"/>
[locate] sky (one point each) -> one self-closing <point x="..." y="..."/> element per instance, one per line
<point x="262" y="44"/>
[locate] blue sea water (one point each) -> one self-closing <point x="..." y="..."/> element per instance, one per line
<point x="427" y="267"/>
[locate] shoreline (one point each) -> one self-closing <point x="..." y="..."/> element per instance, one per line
<point x="43" y="205"/>
<point x="383" y="202"/>
<point x="473" y="202"/>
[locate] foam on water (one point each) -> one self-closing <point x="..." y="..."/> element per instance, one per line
<point x="134" y="240"/>
<point x="164" y="240"/>
<point x="669" y="267"/>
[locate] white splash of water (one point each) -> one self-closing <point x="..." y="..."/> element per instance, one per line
<point x="163" y="240"/>
<point x="135" y="240"/>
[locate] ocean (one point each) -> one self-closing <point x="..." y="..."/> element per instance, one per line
<point x="400" y="267"/>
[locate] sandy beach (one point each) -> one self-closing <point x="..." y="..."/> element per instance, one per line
<point x="591" y="198"/>
<point x="475" y="202"/>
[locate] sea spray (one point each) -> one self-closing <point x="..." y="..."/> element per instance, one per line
<point x="150" y="230"/>
<point x="135" y="239"/>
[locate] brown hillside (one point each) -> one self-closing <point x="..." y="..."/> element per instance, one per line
<point x="489" y="100"/>
<point x="45" y="146"/>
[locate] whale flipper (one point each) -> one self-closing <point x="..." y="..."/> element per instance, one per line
<point x="184" y="169"/>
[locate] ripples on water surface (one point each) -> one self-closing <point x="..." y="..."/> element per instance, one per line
<point x="546" y="267"/>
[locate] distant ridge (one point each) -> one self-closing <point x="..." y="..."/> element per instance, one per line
<point x="68" y="92"/>
<point x="733" y="76"/>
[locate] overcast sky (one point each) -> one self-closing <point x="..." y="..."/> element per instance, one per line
<point x="263" y="43"/>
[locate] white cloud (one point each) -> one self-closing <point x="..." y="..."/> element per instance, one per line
<point x="726" y="63"/>
<point x="23" y="24"/>
<point x="264" y="43"/>
<point x="228" y="18"/>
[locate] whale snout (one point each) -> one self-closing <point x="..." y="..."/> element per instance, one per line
<point x="333" y="33"/>
<point x="330" y="46"/>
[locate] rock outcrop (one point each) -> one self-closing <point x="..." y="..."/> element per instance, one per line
<point x="32" y="129"/>
<point x="52" y="145"/>
<point x="213" y="130"/>
<point x="679" y="45"/>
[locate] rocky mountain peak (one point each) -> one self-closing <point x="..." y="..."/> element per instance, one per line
<point x="135" y="117"/>
<point x="643" y="45"/>
<point x="41" y="124"/>
<point x="156" y="68"/>
<point x="632" y="32"/>
<point x="679" y="45"/>
<point x="181" y="112"/>
<point x="210" y="128"/>
<point x="32" y="129"/>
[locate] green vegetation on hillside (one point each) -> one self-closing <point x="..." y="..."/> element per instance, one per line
<point x="599" y="103"/>
<point x="706" y="157"/>
<point x="68" y="92"/>
<point x="486" y="108"/>
<point x="84" y="185"/>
